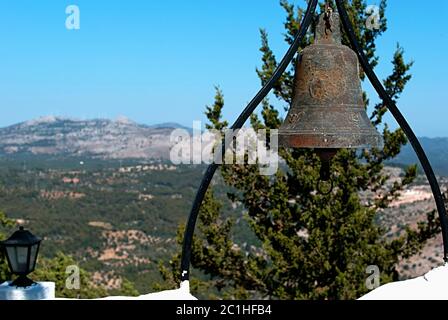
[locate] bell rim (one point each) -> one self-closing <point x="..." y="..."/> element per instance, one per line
<point x="361" y="140"/>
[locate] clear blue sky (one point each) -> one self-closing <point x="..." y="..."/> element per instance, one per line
<point x="157" y="61"/>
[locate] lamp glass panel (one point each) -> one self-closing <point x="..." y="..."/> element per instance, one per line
<point x="33" y="256"/>
<point x="18" y="257"/>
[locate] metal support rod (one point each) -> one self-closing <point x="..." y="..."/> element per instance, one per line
<point x="208" y="176"/>
<point x="440" y="203"/>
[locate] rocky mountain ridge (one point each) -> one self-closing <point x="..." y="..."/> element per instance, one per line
<point x="100" y="138"/>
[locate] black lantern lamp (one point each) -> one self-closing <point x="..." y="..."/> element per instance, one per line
<point x="21" y="250"/>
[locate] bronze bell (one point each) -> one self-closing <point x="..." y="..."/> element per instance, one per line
<point x="327" y="111"/>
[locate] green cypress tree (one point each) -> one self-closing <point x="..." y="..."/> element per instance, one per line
<point x="311" y="246"/>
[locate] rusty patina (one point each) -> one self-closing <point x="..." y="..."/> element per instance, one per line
<point x="327" y="111"/>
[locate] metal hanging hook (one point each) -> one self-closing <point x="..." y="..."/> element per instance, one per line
<point x="328" y="8"/>
<point x="328" y="17"/>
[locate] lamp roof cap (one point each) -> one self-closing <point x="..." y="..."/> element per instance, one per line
<point x="21" y="237"/>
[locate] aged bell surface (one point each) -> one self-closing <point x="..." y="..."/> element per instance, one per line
<point x="327" y="110"/>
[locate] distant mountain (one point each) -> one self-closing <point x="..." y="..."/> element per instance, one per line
<point x="100" y="138"/>
<point x="435" y="148"/>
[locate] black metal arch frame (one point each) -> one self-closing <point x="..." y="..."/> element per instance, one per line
<point x="306" y="22"/>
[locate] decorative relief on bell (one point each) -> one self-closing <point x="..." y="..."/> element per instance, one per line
<point x="327" y="86"/>
<point x="294" y="117"/>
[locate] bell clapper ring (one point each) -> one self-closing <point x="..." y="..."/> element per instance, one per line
<point x="325" y="176"/>
<point x="327" y="190"/>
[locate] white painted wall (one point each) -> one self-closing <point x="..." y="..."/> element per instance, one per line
<point x="39" y="291"/>
<point x="431" y="286"/>
<point x="183" y="293"/>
